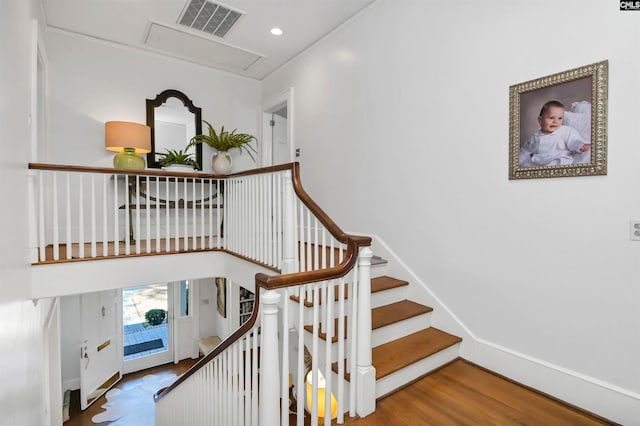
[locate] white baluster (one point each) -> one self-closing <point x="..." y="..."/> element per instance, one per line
<point x="301" y="365"/>
<point x="210" y="210"/>
<point x="157" y="212"/>
<point x="127" y="216"/>
<point x="289" y="237"/>
<point x="167" y="226"/>
<point x="327" y="344"/>
<point x="81" y="217"/>
<point x="93" y="216"/>
<point x="147" y="210"/>
<point x="138" y="233"/>
<point x="41" y="210"/>
<point x="284" y="380"/>
<point x="116" y="213"/>
<point x="185" y="212"/>
<point x="105" y="221"/>
<point x="176" y="200"/>
<point x="341" y="342"/>
<point x="270" y="371"/>
<point x="67" y="223"/>
<point x="194" y="226"/>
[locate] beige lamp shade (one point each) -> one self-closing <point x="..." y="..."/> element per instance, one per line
<point x="119" y="135"/>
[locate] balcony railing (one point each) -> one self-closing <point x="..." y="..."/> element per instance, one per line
<point x="314" y="317"/>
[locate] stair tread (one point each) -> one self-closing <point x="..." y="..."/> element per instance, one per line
<point x="386" y="282"/>
<point x="383" y="316"/>
<point x="393" y="356"/>
<point x="396" y="312"/>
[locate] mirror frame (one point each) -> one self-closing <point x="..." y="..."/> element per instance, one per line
<point x="152" y="104"/>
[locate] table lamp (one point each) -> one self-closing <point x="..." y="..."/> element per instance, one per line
<point x="129" y="140"/>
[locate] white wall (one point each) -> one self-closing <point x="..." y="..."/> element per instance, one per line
<point x="21" y="335"/>
<point x="93" y="82"/>
<point x="70" y="341"/>
<point x="402" y="120"/>
<point x="209" y="317"/>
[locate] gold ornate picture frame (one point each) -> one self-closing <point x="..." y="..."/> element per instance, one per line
<point x="580" y="148"/>
<point x="221" y="296"/>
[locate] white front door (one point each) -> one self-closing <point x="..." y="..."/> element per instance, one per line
<point x="101" y="350"/>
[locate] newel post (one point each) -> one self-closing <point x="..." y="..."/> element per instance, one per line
<point x="366" y="373"/>
<point x="270" y="361"/>
<point x="289" y="249"/>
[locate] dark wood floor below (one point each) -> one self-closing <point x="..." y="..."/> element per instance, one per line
<point x="83" y="418"/>
<point x="459" y="393"/>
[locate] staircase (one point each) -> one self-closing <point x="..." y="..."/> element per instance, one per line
<point x="405" y="345"/>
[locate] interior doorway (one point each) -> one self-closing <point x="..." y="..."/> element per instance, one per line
<point x="277" y="130"/>
<point x="147" y="326"/>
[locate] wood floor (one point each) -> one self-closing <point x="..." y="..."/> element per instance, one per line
<point x="457" y="394"/>
<point x="464" y="394"/>
<point x="83" y="418"/>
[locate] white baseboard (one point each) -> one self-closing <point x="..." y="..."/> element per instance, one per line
<point x="71" y="384"/>
<point x="604" y="399"/>
<point x="601" y="398"/>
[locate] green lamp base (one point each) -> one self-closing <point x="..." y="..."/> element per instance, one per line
<point x="128" y="159"/>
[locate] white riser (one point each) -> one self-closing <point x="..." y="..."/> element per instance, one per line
<point x="400" y="329"/>
<point x="387" y="297"/>
<point x="418" y="369"/>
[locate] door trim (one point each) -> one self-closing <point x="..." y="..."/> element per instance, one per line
<point x="272" y="105"/>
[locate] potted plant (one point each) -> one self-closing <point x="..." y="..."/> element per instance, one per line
<point x="222" y="142"/>
<point x="178" y="160"/>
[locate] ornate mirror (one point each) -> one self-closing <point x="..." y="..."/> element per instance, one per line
<point x="174" y="120"/>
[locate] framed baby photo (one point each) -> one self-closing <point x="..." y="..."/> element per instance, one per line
<point x="558" y="124"/>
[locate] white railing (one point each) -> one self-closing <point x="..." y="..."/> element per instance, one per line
<point x="263" y="216"/>
<point x="222" y="388"/>
<point x="97" y="212"/>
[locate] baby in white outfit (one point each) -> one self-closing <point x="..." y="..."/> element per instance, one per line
<point x="553" y="144"/>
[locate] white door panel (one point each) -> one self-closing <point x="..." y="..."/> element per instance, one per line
<point x="280" y="142"/>
<point x="100" y="355"/>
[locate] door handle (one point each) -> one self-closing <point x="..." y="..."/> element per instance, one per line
<point x="85" y="356"/>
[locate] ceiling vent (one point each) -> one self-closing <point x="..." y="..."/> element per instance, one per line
<point x="212" y="18"/>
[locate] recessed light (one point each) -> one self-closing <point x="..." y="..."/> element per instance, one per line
<point x="276" y="31"/>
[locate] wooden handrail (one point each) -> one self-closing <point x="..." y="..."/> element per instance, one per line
<point x="152" y="172"/>
<point x="353" y="243"/>
<point x="265" y="281"/>
<point x="236" y="335"/>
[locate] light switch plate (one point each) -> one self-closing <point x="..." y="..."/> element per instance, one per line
<point x="634" y="230"/>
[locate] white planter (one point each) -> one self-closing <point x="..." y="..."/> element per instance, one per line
<point x="221" y="162"/>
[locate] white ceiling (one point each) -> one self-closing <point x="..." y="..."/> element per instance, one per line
<point x="248" y="49"/>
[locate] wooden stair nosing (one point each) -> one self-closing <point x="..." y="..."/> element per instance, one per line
<point x="386" y="282"/>
<point x="382" y="316"/>
<point x="393" y="356"/>
<point x="396" y="312"/>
